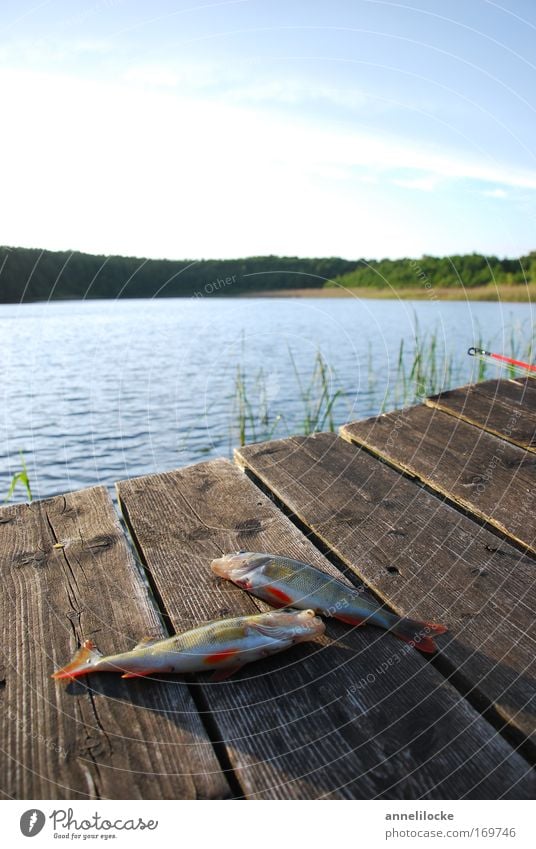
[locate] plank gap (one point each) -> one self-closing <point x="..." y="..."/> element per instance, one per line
<point x="336" y="489"/>
<point x="211" y="727"/>
<point x="438" y="495"/>
<point x="462" y="684"/>
<point x="468" y="690"/>
<point x="205" y="715"/>
<point x="317" y="541"/>
<point x="145" y="570"/>
<point x="69" y="574"/>
<point x="464" y="417"/>
<point x="305" y="726"/>
<point x="503" y="408"/>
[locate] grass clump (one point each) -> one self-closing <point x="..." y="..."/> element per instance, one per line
<point x="253" y="417"/>
<point x="20" y="477"/>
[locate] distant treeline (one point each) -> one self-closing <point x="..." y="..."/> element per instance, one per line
<point x="468" y="270"/>
<point x="35" y="275"/>
<point x="28" y="274"/>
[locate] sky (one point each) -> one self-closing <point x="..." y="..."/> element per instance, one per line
<point x="353" y="128"/>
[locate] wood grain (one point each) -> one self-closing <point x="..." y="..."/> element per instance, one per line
<point x="68" y="575"/>
<point x="422" y="557"/>
<point x="506" y="408"/>
<point x="359" y="715"/>
<point x="488" y="476"/>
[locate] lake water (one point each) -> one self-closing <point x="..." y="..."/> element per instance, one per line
<point x="96" y="391"/>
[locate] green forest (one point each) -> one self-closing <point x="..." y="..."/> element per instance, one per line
<point x="28" y="274"/>
<point x="34" y="275"/>
<point x="467" y="270"/>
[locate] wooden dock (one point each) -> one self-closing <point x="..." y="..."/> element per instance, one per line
<point x="432" y="507"/>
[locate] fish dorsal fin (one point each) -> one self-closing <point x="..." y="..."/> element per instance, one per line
<point x="145" y="642"/>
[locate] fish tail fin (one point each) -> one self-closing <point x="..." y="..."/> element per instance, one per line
<point x="84" y="661"/>
<point x="419" y="634"/>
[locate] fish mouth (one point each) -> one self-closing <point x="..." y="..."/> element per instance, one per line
<point x="232" y="566"/>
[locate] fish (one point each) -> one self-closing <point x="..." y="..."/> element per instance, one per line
<point x="224" y="645"/>
<point x="284" y="582"/>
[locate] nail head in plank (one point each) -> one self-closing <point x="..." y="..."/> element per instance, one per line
<point x="358" y="717"/>
<point x="68" y="575"/>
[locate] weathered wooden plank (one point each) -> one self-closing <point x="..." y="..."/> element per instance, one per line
<point x="488" y="476"/>
<point x="506" y="408"/>
<point x="310" y="723"/>
<point x="423" y="557"/>
<point x="68" y="575"/>
<point x="530" y="384"/>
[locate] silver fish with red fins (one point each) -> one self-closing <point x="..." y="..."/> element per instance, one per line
<point x="224" y="645"/>
<point x="282" y="582"/>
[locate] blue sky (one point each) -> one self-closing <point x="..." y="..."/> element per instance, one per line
<point x="196" y="129"/>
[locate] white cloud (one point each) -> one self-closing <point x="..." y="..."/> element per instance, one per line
<point x="423" y="184"/>
<point x="495" y="193"/>
<point x="152" y="75"/>
<point x="191" y="76"/>
<point x="295" y="91"/>
<point x="39" y="53"/>
<point x="132" y="169"/>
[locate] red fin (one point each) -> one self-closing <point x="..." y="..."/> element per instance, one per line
<point x="436" y="628"/>
<point x="426" y="644"/>
<point x="220" y="656"/>
<point x="416" y="634"/>
<point x="140" y="673"/>
<point x="350" y="620"/>
<point x="278" y="595"/>
<point x="223" y="674"/>
<point x="80" y="664"/>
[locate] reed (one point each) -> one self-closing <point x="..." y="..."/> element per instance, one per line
<point x="253" y="417"/>
<point x="315" y="399"/>
<point x="20" y="477"/>
<point x="421" y="368"/>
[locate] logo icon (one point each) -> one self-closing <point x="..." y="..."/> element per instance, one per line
<point x="31" y="822"/>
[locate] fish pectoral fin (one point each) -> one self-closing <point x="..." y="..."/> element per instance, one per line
<point x="223" y="674"/>
<point x="139" y="673"/>
<point x="273" y="632"/>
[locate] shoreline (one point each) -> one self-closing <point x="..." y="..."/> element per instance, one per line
<point x="520" y="294"/>
<point x="504" y="294"/>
